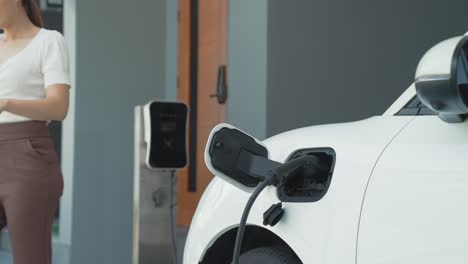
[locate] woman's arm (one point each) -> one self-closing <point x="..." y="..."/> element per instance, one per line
<point x="53" y="107"/>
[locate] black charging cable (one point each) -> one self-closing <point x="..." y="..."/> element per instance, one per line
<point x="276" y="176"/>
<point x="245" y="215"/>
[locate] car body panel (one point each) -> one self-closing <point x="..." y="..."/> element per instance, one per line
<point x="316" y="231"/>
<point x="415" y="207"/>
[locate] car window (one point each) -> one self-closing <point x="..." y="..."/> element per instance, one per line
<point x="415" y="107"/>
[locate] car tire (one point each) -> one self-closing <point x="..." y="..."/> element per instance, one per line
<point x="270" y="255"/>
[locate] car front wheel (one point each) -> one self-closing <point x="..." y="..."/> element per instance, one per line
<point x="270" y="255"/>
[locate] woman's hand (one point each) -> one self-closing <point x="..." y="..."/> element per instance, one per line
<point x="3" y="104"/>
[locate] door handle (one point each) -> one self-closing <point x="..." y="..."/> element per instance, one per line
<point x="221" y="86"/>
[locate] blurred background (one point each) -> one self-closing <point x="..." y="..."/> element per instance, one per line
<point x="266" y="66"/>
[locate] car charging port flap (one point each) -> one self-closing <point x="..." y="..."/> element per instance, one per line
<point x="241" y="159"/>
<point x="309" y="185"/>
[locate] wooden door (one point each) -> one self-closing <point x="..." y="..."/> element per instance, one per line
<point x="202" y="55"/>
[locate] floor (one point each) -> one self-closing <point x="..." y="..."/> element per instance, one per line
<point x="5" y="257"/>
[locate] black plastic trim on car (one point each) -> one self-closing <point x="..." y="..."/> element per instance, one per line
<point x="415" y="108"/>
<point x="314" y="191"/>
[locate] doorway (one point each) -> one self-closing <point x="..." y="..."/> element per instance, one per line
<point x="202" y="84"/>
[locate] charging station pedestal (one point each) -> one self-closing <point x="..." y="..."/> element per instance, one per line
<point x="154" y="188"/>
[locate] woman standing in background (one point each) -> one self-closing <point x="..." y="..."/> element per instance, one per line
<point x="34" y="89"/>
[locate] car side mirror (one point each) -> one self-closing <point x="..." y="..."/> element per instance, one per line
<point x="442" y="79"/>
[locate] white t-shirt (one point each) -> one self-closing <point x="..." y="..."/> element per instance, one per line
<point x="27" y="74"/>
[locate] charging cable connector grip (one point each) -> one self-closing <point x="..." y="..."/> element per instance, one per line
<point x="286" y="171"/>
<point x="256" y="166"/>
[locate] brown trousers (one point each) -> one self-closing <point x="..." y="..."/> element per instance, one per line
<point x="31" y="185"/>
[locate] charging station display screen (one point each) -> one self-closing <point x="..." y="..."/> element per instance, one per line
<point x="168" y="135"/>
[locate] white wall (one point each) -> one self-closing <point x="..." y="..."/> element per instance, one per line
<point x="119" y="60"/>
<point x="172" y="38"/>
<point x="247" y="66"/>
<point x="62" y="248"/>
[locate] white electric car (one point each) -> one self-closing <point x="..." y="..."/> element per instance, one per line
<point x="391" y="189"/>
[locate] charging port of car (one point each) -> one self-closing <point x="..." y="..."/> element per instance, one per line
<point x="309" y="186"/>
